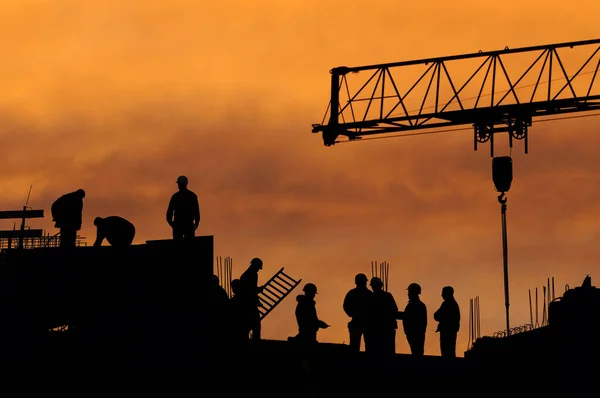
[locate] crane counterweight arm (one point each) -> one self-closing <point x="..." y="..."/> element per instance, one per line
<point x="499" y="91"/>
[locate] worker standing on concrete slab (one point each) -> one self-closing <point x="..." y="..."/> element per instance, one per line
<point x="183" y="213"/>
<point x="414" y="320"/>
<point x="249" y="290"/>
<point x="356" y="306"/>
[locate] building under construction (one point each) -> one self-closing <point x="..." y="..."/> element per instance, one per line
<point x="140" y="308"/>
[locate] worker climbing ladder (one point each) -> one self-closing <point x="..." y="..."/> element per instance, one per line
<point x="274" y="291"/>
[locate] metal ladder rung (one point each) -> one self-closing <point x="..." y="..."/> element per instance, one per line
<point x="272" y="294"/>
<point x="283" y="274"/>
<point x="264" y="304"/>
<point x="285" y="288"/>
<point x="274" y="277"/>
<point x="284" y="284"/>
<point x="264" y="298"/>
<point x="286" y="277"/>
<point x="275" y="289"/>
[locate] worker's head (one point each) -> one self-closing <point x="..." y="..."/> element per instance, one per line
<point x="447" y="292"/>
<point x="235" y="286"/>
<point x="214" y="279"/>
<point x="376" y="284"/>
<point x="182" y="182"/>
<point x="81" y="193"/>
<point x="414" y="289"/>
<point x="98" y="221"/>
<point x="361" y="280"/>
<point x="256" y="263"/>
<point x="310" y="290"/>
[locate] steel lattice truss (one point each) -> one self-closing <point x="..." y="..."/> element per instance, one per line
<point x="496" y="91"/>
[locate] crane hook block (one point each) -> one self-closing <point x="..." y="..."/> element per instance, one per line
<point x="502" y="173"/>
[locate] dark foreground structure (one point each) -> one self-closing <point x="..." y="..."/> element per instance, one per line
<point x="140" y="310"/>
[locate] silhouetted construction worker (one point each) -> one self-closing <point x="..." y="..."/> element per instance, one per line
<point x="383" y="311"/>
<point x="116" y="230"/>
<point x="67" y="212"/>
<point x="217" y="294"/>
<point x="448" y="316"/>
<point x="238" y="324"/>
<point x="306" y="315"/>
<point x="217" y="305"/>
<point x="414" y="320"/>
<point x="356" y="306"/>
<point x="183" y="213"/>
<point x="249" y="290"/>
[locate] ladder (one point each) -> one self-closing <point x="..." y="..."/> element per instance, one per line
<point x="274" y="291"/>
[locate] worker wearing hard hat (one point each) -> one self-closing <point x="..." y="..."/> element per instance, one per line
<point x="414" y="320"/>
<point x="183" y="213"/>
<point x="356" y="306"/>
<point x="306" y="315"/>
<point x="382" y="324"/>
<point x="448" y="316"/>
<point x="249" y="290"/>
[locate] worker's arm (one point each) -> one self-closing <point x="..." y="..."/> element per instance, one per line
<point x="439" y="314"/>
<point x="99" y="238"/>
<point x="170" y="212"/>
<point x="196" y="214"/>
<point x="79" y="214"/>
<point x="393" y="304"/>
<point x="348" y="307"/>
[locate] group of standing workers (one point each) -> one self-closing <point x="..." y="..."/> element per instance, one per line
<point x="374" y="318"/>
<point x="374" y="314"/>
<point x="183" y="215"/>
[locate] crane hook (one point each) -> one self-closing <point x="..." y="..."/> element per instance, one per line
<point x="501" y="198"/>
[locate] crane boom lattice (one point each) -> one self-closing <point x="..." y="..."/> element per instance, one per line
<point x="495" y="91"/>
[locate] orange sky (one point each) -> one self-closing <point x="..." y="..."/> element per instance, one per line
<point x="121" y="97"/>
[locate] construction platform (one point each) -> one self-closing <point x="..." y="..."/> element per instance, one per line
<point x="140" y="309"/>
<point x="101" y="291"/>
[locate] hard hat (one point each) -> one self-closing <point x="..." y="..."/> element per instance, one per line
<point x="256" y="262"/>
<point x="310" y="287"/>
<point x="414" y="287"/>
<point x="360" y="278"/>
<point x="182" y="180"/>
<point x="448" y="289"/>
<point x="375" y="281"/>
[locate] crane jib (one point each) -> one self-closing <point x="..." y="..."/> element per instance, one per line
<point x="490" y="94"/>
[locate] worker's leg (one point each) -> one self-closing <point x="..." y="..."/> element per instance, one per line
<point x="355" y="336"/>
<point x="68" y="237"/>
<point x="189" y="232"/>
<point x="256" y="325"/>
<point x="177" y="233"/>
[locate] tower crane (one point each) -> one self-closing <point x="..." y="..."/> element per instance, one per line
<point x="381" y="105"/>
<point x="501" y="102"/>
